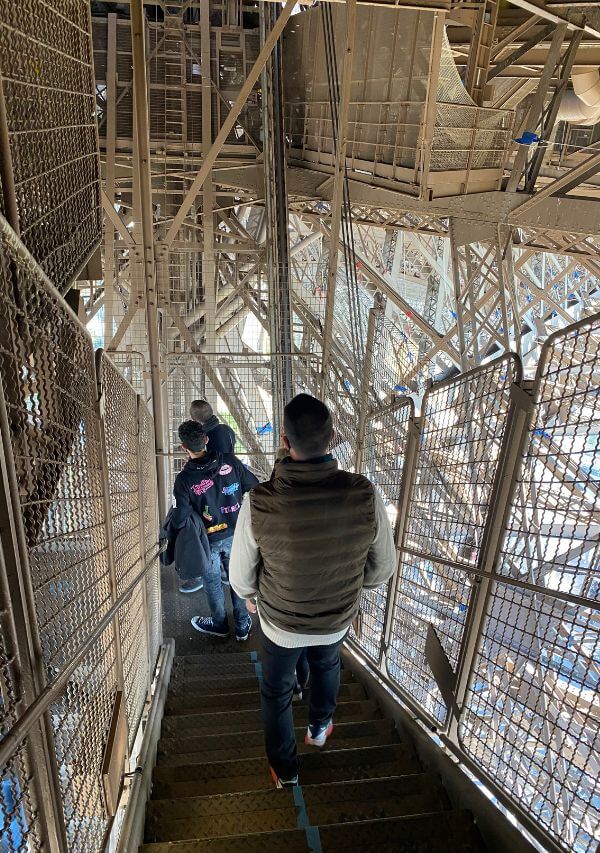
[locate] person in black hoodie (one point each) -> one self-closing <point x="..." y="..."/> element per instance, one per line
<point x="212" y="485"/>
<point x="221" y="438"/>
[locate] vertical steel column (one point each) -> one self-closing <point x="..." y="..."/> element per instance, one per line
<point x="209" y="282"/>
<point x="338" y="187"/>
<point x="142" y="535"/>
<point x="406" y="487"/>
<point x="109" y="180"/>
<point x="456" y="277"/>
<point x="425" y="141"/>
<point x="276" y="205"/>
<point x="376" y="314"/>
<point x="7" y="178"/>
<point x="150" y="288"/>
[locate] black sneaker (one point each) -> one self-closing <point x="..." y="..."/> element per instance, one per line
<point x="192" y="585"/>
<point x="205" y="625"/>
<point x="242" y="636"/>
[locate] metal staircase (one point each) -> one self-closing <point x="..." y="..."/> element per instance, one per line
<point x="212" y="792"/>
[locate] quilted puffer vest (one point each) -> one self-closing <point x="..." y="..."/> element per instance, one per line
<point x="314" y="525"/>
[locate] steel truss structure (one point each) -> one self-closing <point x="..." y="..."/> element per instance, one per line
<point x="389" y="207"/>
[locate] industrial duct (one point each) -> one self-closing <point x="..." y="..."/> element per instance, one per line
<point x="582" y="105"/>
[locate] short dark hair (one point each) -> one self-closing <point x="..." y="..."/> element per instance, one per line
<point x="201" y="411"/>
<point x="192" y="436"/>
<point x="308" y="426"/>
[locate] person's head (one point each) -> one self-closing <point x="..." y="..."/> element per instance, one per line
<point x="201" y="411"/>
<point x="192" y="438"/>
<point x="307" y="426"/>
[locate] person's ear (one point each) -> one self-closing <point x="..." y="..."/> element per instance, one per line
<point x="285" y="441"/>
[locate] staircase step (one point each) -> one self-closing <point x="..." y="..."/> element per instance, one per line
<point x="177" y="725"/>
<point x="241" y="740"/>
<point x="257" y="751"/>
<point x="247" y="774"/>
<point x="216" y="658"/>
<point x="269" y="811"/>
<point x="192" y="697"/>
<point x="435" y="832"/>
<point x="189" y="678"/>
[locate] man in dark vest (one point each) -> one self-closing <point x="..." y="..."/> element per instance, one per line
<point x="221" y="438"/>
<point x="307" y="543"/>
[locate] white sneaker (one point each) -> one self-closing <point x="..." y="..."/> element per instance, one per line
<point x="317" y="735"/>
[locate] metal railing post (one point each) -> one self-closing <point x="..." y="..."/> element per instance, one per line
<point x="406" y="486"/>
<point x="142" y="535"/>
<point x="107" y="513"/>
<point x="375" y="314"/>
<point x="511" y="459"/>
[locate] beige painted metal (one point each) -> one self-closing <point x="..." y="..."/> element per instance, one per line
<point x="229" y="121"/>
<point x="150" y="285"/>
<point x="108" y="190"/>
<point x="569" y="179"/>
<point x="338" y="181"/>
<point x="208" y="258"/>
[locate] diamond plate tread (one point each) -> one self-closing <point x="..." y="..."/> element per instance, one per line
<point x="240" y="740"/>
<point x="224" y="663"/>
<point x="239" y="680"/>
<point x="272" y="799"/>
<point x="251" y="720"/>
<point x="222" y="658"/>
<point x="249" y="774"/>
<point x="270" y="810"/>
<point x="258" y="750"/>
<point x="438" y="832"/>
<point x="192" y="698"/>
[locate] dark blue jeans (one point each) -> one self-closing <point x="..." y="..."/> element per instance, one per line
<point x="214" y="589"/>
<point x="278" y="679"/>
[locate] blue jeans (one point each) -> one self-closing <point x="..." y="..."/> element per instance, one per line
<point x="214" y="589"/>
<point x="277" y="685"/>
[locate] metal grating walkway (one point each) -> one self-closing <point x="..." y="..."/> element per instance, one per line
<point x="212" y="793"/>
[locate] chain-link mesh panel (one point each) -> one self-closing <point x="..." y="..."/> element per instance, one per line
<point x="48" y="381"/>
<point x="239" y="388"/>
<point x="120" y="406"/>
<point x="532" y="712"/>
<point x="466" y="137"/>
<point x="81" y="720"/>
<point x="48" y="385"/>
<point x="49" y="92"/>
<point x="19" y="820"/>
<point x="132" y="367"/>
<point x="383" y="463"/>
<point x="463" y="427"/>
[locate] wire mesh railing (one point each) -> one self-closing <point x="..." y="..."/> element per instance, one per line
<point x="490" y="629"/>
<point x="239" y="388"/>
<point x="80" y="620"/>
<point x="48" y="128"/>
